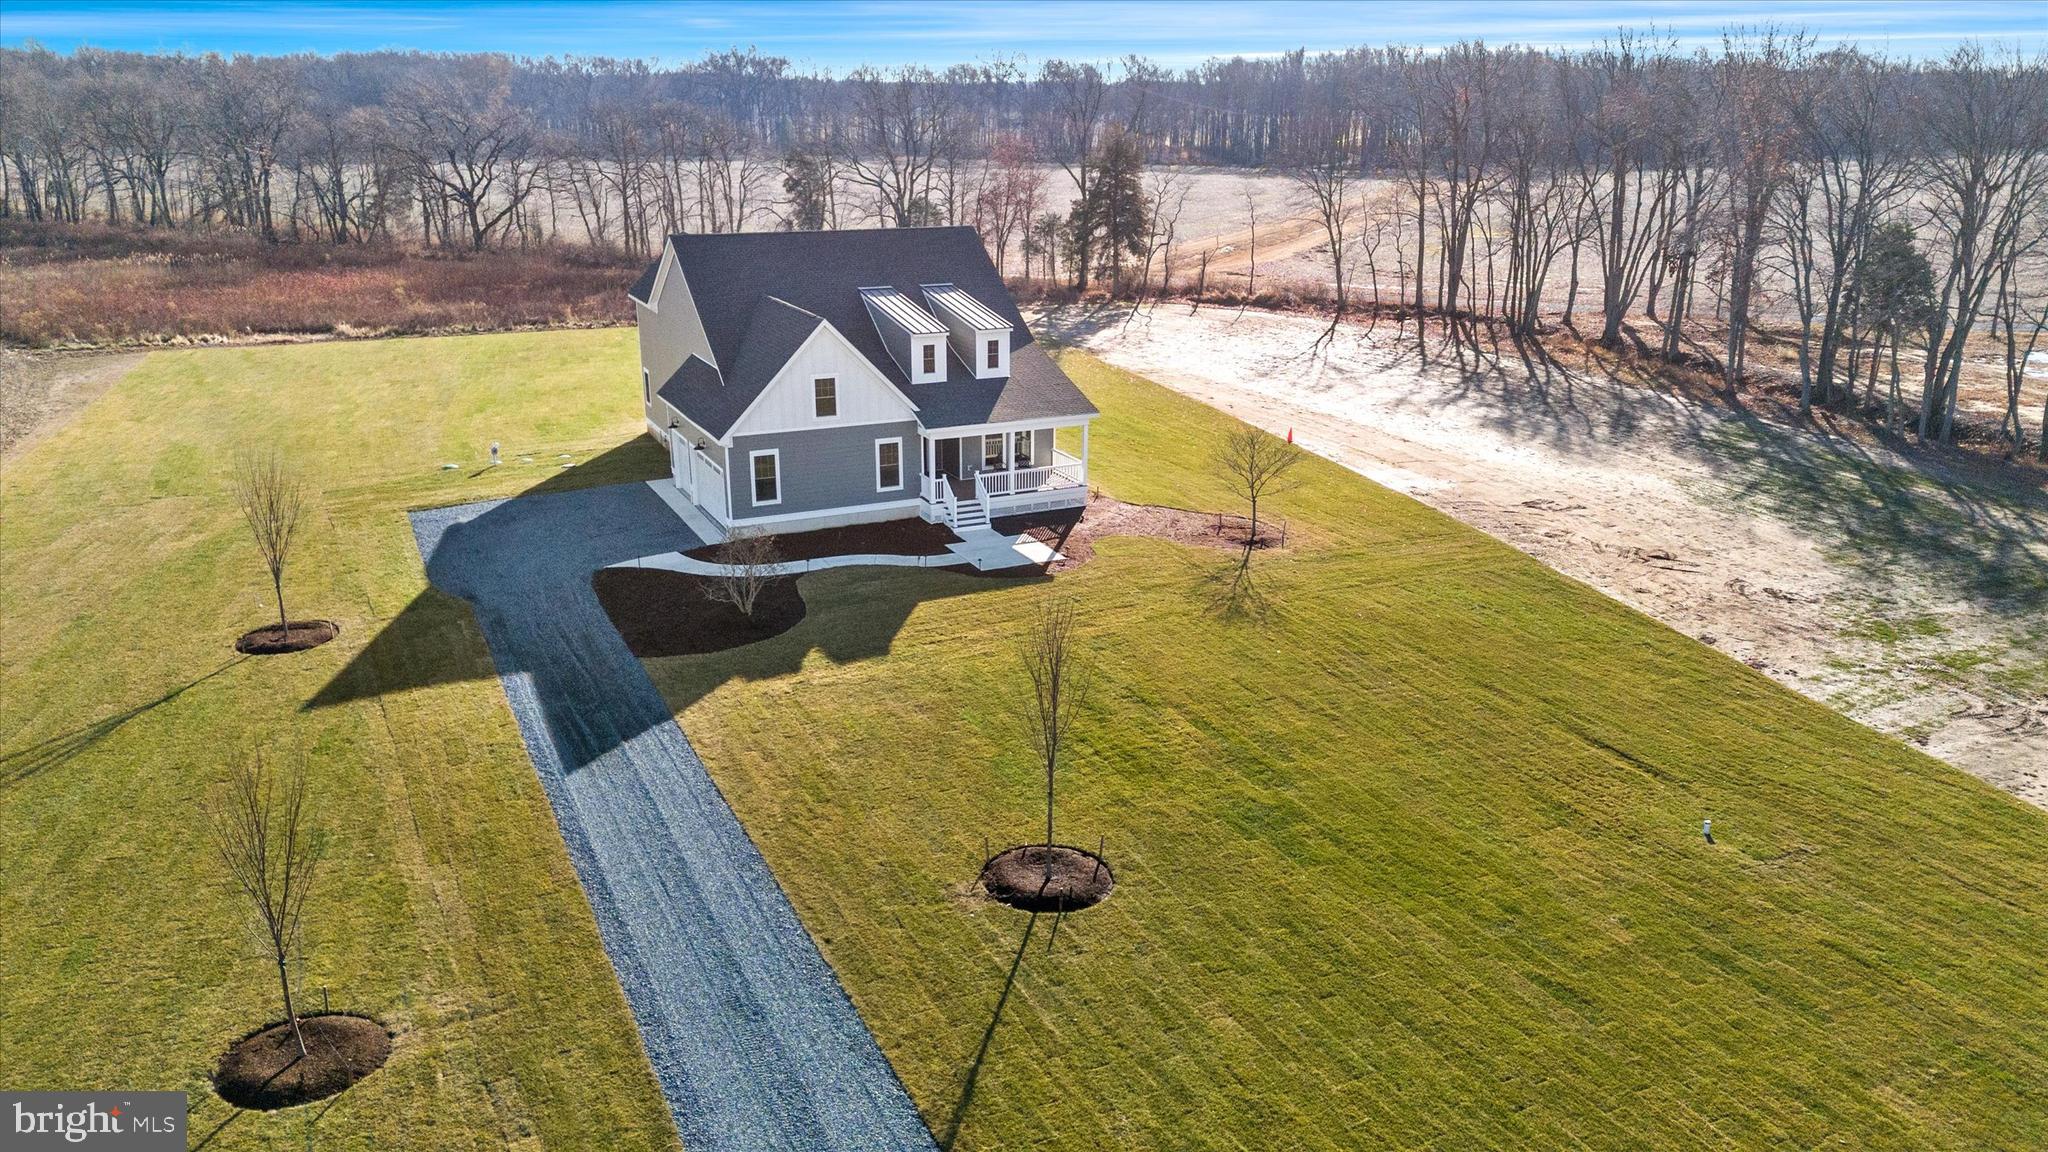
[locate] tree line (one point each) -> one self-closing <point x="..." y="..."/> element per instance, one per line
<point x="1881" y="204"/>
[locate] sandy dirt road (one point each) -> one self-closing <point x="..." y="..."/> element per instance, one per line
<point x="1914" y="602"/>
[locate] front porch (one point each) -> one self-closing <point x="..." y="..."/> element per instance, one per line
<point x="970" y="476"/>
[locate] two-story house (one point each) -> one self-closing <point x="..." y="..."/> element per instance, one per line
<point x="811" y="379"/>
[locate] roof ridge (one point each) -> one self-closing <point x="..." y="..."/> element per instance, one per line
<point x="793" y="307"/>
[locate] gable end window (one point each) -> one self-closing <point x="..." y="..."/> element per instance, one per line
<point x="888" y="465"/>
<point x="931" y="359"/>
<point x="767" y="477"/>
<point x="995" y="354"/>
<point x="825" y="397"/>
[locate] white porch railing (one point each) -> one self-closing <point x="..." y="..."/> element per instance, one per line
<point x="1064" y="472"/>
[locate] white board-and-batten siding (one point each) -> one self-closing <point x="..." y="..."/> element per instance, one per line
<point x="789" y="403"/>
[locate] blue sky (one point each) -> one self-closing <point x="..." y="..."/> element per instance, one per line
<point x="840" y="36"/>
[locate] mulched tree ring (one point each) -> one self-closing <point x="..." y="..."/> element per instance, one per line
<point x="271" y="640"/>
<point x="1016" y="877"/>
<point x="265" y="1071"/>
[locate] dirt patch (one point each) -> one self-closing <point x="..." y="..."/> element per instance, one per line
<point x="907" y="537"/>
<point x="1887" y="581"/>
<point x="272" y="640"/>
<point x="266" y="1071"/>
<point x="1037" y="878"/>
<point x="41" y="391"/>
<point x="660" y="613"/>
<point x="1072" y="532"/>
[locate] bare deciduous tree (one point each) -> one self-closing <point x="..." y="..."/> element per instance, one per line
<point x="271" y="498"/>
<point x="1060" y="681"/>
<point x="1256" y="464"/>
<point x="269" y="853"/>
<point x="749" y="557"/>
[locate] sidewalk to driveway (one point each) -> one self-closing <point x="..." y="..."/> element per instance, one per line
<point x="754" y="1041"/>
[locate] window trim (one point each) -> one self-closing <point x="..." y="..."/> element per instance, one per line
<point x="754" y="477"/>
<point x="816" y="399"/>
<point x="995" y="353"/>
<point x="898" y="485"/>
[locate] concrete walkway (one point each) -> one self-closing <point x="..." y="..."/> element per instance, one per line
<point x="982" y="548"/>
<point x="754" y="1042"/>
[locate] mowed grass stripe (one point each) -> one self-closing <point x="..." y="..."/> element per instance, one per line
<point x="446" y="907"/>
<point x="1413" y="859"/>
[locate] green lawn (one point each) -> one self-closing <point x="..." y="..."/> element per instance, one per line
<point x="1413" y="859"/>
<point x="447" y="907"/>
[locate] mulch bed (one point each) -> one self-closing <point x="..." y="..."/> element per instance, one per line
<point x="265" y="1071"/>
<point x="270" y="640"/>
<point x="662" y="613"/>
<point x="1072" y="531"/>
<point x="907" y="537"/>
<point x="1016" y="877"/>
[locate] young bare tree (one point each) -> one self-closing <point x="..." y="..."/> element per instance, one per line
<point x="749" y="557"/>
<point x="271" y="498"/>
<point x="1060" y="680"/>
<point x="269" y="853"/>
<point x="1256" y="464"/>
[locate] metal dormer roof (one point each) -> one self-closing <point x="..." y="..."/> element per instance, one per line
<point x="963" y="307"/>
<point x="902" y="311"/>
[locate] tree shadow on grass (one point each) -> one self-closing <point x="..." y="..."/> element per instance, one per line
<point x="24" y="763"/>
<point x="1881" y="518"/>
<point x="524" y="566"/>
<point x="988" y="1037"/>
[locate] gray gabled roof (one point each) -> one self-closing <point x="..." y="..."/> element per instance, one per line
<point x="643" y="288"/>
<point x="820" y="275"/>
<point x="715" y="402"/>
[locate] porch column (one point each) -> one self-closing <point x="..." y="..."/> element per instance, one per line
<point x="1084" y="453"/>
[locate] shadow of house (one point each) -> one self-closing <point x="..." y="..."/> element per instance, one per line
<point x="524" y="566"/>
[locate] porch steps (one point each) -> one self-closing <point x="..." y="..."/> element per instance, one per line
<point x="969" y="514"/>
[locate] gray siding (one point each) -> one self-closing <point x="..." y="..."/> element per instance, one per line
<point x="662" y="413"/>
<point x="669" y="337"/>
<point x="823" y="469"/>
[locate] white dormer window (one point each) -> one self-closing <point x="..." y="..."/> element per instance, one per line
<point x="928" y="362"/>
<point x="979" y="334"/>
<point x="915" y="338"/>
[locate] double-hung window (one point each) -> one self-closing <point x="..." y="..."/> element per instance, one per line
<point x="995" y="354"/>
<point x="825" y="397"/>
<point x="767" y="477"/>
<point x="888" y="465"/>
<point x="931" y="357"/>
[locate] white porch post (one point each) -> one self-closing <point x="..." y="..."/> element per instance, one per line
<point x="1084" y="453"/>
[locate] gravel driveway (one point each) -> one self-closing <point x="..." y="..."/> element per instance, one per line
<point x="753" y="1039"/>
